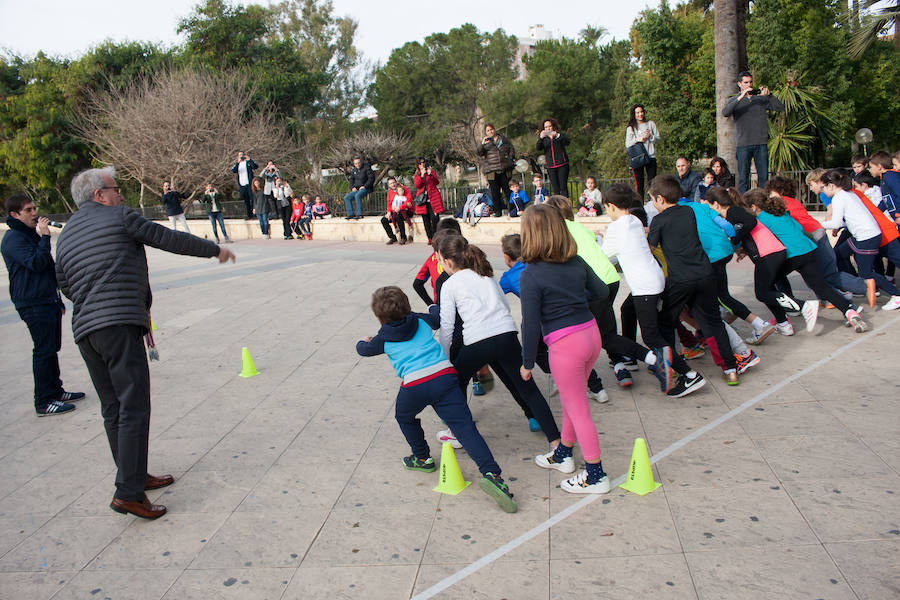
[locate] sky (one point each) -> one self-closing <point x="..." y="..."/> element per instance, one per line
<point x="67" y="28"/>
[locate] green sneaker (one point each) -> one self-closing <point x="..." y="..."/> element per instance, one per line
<point x="496" y="488"/>
<point x="419" y="464"/>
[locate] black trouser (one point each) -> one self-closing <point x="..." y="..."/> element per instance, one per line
<point x="647" y="314"/>
<point x="725" y="297"/>
<point x="638" y="173"/>
<point x="616" y="346"/>
<point x="117" y="363"/>
<point x="808" y="267"/>
<point x="767" y="270"/>
<point x="503" y="354"/>
<point x="700" y="299"/>
<point x="45" y="326"/>
<point x="398" y="219"/>
<point x="499" y="185"/>
<point x="286" y="219"/>
<point x="247" y="197"/>
<point x="430" y="220"/>
<point x="628" y="316"/>
<point x="559" y="179"/>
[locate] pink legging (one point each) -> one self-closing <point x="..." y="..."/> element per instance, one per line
<point x="571" y="360"/>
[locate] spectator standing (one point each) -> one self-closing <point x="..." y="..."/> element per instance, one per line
<point x="553" y="144"/>
<point x="282" y="193"/>
<point x="260" y="208"/>
<point x="688" y="179"/>
<point x="426" y="181"/>
<point x="243" y="169"/>
<point x="497" y="155"/>
<point x="640" y="130"/>
<point x="362" y="181"/>
<point x="171" y="200"/>
<point x="33" y="291"/>
<point x="751" y="123"/>
<point x="214" y="210"/>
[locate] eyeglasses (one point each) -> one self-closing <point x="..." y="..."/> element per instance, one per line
<point x="111" y="187"/>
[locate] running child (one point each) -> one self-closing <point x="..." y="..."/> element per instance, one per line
<point x="555" y="287"/>
<point x="431" y="268"/>
<point x="428" y="379"/>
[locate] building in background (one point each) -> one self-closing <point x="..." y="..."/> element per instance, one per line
<point x="536" y="33"/>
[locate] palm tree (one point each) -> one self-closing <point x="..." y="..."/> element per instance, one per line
<point x="727" y="58"/>
<point x="882" y="14"/>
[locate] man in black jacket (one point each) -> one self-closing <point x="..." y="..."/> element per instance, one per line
<point x="362" y="181"/>
<point x="243" y="170"/>
<point x="32" y="288"/>
<point x="102" y="267"/>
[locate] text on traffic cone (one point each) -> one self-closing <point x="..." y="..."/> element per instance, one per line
<point x="640" y="477"/>
<point x="450" y="477"/>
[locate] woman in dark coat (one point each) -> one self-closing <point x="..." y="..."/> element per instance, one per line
<point x="553" y="144"/>
<point x="724" y="177"/>
<point x="426" y="181"/>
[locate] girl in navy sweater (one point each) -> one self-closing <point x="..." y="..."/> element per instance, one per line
<point x="555" y="287"/>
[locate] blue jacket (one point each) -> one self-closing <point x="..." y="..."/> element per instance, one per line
<point x="410" y="346"/>
<point x="890" y="193"/>
<point x="713" y="237"/>
<point x="789" y="232"/>
<point x="32" y="273"/>
<point x="509" y="281"/>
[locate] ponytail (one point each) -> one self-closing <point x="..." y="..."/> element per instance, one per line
<point x="724" y="196"/>
<point x="838" y="178"/>
<point x="464" y="255"/>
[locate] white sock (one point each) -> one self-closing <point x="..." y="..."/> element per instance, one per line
<point x="618" y="367"/>
<point x="650" y="359"/>
<point x="690" y="374"/>
<point x="758" y="324"/>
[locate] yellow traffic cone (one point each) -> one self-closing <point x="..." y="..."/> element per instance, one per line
<point x="640" y="477"/>
<point x="248" y="369"/>
<point x="451" y="479"/>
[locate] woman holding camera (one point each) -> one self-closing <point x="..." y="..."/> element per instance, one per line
<point x="641" y="131"/>
<point x="553" y="144"/>
<point x="431" y="205"/>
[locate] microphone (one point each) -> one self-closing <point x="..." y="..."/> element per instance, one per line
<point x="53" y="223"/>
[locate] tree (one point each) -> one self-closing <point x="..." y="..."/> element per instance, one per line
<point x="805" y="125"/>
<point x="385" y="149"/>
<point x="726" y="75"/>
<point x="881" y="17"/>
<point x="180" y="126"/>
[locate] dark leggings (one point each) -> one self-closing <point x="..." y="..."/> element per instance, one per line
<point x="504" y="355"/>
<point x="767" y="271"/>
<point x="638" y="175"/>
<point x="808" y="267"/>
<point x="725" y="297"/>
<point x="559" y="180"/>
<point x="647" y="313"/>
<point x="700" y="299"/>
<point x="430" y="220"/>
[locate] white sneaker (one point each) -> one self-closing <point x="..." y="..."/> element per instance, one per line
<point x="545" y="461"/>
<point x="856" y="322"/>
<point x="600" y="397"/>
<point x="784" y="328"/>
<point x="447" y="436"/>
<point x="758" y="337"/>
<point x="579" y="485"/>
<point x="788" y="304"/>
<point x="810" y="312"/>
<point x="892" y="304"/>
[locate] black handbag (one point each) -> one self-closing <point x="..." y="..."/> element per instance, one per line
<point x="638" y="156"/>
<point x="422" y="199"/>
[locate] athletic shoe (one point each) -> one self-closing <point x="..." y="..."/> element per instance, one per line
<point x="731" y="378"/>
<point x="893" y="303"/>
<point x="71" y="396"/>
<point x="811" y="313"/>
<point x="391" y="241"/>
<point x="496" y="488"/>
<point x="54" y="407"/>
<point x="600" y="396"/>
<point x="447" y="436"/>
<point x="685" y="385"/>
<point x="533" y="425"/>
<point x="632" y="364"/>
<point x="545" y="461"/>
<point x="579" y="484"/>
<point x="788" y="303"/>
<point x="419" y="464"/>
<point x="784" y="328"/>
<point x="856" y="321"/>
<point x="477" y="389"/>
<point x="623" y="378"/>
<point x="870" y="292"/>
<point x="745" y="362"/>
<point x="758" y="337"/>
<point x="663" y="368"/>
<point x="692" y="352"/>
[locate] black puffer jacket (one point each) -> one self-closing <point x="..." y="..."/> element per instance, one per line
<point x="363" y="177"/>
<point x="102" y="267"/>
<point x="497" y="155"/>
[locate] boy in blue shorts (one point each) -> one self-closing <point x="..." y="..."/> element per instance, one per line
<point x="429" y="379"/>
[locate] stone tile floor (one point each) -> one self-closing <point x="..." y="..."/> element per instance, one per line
<point x="289" y="484"/>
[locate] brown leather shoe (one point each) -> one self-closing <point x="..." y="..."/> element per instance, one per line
<point x="143" y="509"/>
<point x="154" y="482"/>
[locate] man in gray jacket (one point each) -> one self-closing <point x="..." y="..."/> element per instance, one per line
<point x="751" y="123"/>
<point x="102" y="267"/>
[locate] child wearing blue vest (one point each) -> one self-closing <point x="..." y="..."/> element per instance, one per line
<point x="428" y="380"/>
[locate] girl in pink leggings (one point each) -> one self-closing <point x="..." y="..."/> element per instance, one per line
<point x="556" y="287"/>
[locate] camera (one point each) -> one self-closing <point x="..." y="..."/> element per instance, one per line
<point x="754" y="92"/>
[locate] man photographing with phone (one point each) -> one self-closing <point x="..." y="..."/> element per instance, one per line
<point x="750" y="112"/>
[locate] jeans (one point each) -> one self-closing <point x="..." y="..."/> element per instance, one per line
<point x="449" y="402"/>
<point x="117" y="363"/>
<point x="45" y="326"/>
<point x="760" y="155"/>
<point x="828" y="264"/>
<point x="216" y="217"/>
<point x="356" y="196"/>
<point x="263" y="223"/>
<point x="247" y="197"/>
<point x="865" y="252"/>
